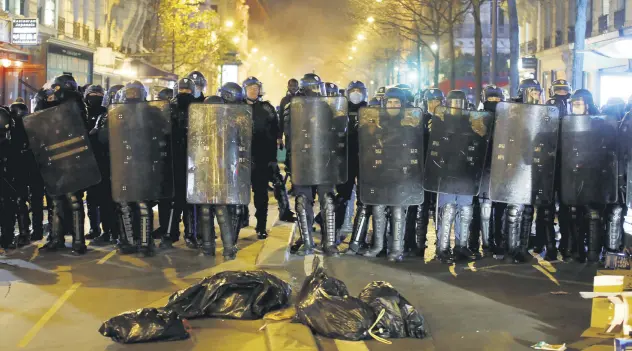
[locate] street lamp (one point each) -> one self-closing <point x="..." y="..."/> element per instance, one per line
<point x="229" y="24"/>
<point x="372" y="82"/>
<point x="434" y="46"/>
<point x="236" y="39"/>
<point x="370" y="19"/>
<point x="265" y="58"/>
<point x="361" y="37"/>
<point x="350" y="58"/>
<point x="254" y="50"/>
<point x="354" y="49"/>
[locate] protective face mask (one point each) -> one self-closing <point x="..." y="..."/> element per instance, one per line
<point x="355" y="97"/>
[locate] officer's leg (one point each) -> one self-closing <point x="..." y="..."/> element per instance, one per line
<point x="518" y="236"/>
<point x="464" y="217"/>
<point x="398" y="222"/>
<point x="237" y="219"/>
<point x="347" y="225"/>
<point x="446" y="216"/>
<point x="501" y="235"/>
<point x="360" y="228"/>
<point x="280" y="194"/>
<point x="595" y="233"/>
<point x="7" y="220"/>
<point x="78" y="218"/>
<point x="579" y="230"/>
<point x="486" y="227"/>
<point x="379" y="230"/>
<point x="23" y="219"/>
<point x="207" y="230"/>
<point x="546" y="221"/>
<point x="566" y="244"/>
<point x="147" y="247"/>
<point x="260" y="189"/>
<point x="410" y="242"/>
<point x="303" y="208"/>
<point x="164" y="214"/>
<point x="226" y="230"/>
<point x="93" y="212"/>
<point x="56" y="238"/>
<point x="329" y="238"/>
<point x="127" y="243"/>
<point x="36" y="187"/>
<point x="614" y="228"/>
<point x="475" y="227"/>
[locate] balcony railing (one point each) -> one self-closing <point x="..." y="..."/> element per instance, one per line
<point x="523" y="48"/>
<point x="76" y="30"/>
<point x="619" y="19"/>
<point x="558" y="38"/>
<point x="588" y="29"/>
<point x="547" y="43"/>
<point x="571" y="35"/>
<point x="97" y="38"/>
<point x="86" y="33"/>
<point x="61" y="26"/>
<point x="603" y="24"/>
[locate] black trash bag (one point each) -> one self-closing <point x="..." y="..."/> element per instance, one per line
<point x="400" y="319"/>
<point x="147" y="324"/>
<point x="325" y="306"/>
<point x="233" y="295"/>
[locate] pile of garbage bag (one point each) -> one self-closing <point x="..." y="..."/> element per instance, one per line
<point x="230" y="294"/>
<point x="324" y="305"/>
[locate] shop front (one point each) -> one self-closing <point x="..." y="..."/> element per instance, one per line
<point x="65" y="57"/>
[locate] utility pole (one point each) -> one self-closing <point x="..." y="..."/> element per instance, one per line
<point x="494" y="54"/>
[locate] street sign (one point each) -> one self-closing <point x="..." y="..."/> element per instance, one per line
<point x="24" y="31"/>
<point x="529" y="63"/>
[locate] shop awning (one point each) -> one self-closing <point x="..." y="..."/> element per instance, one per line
<point x="146" y="70"/>
<point x="12" y="52"/>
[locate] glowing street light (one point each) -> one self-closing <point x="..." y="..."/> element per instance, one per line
<point x="265" y="58"/>
<point x="236" y="40"/>
<point x="396" y="69"/>
<point x="350" y="58"/>
<point x="254" y="50"/>
<point x="372" y="82"/>
<point x="229" y="24"/>
<point x="370" y="19"/>
<point x="434" y="46"/>
<point x="361" y="37"/>
<point x="354" y="49"/>
<point x="378" y="0"/>
<point x="271" y="64"/>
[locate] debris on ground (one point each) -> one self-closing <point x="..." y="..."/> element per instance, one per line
<point x="559" y="292"/>
<point x="545" y="346"/>
<point x="147" y="324"/>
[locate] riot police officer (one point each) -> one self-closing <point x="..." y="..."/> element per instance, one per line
<point x="200" y="85"/>
<point x="312" y="85"/>
<point x="170" y="220"/>
<point x="357" y="95"/>
<point x="332" y="89"/>
<point x="165" y="94"/>
<point x="8" y="191"/>
<point x="264" y="142"/>
<point x="66" y="90"/>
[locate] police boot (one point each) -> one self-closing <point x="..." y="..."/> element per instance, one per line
<point x="207" y="231"/>
<point x="486" y="226"/>
<point x="548" y="232"/>
<point x="475" y="229"/>
<point x="511" y="226"/>
<point x="189" y="218"/>
<point x="521" y="252"/>
<point x="226" y="230"/>
<point x="446" y="218"/>
<point x="398" y="221"/>
<point x="594" y="234"/>
<point x="93" y="218"/>
<point x="236" y="212"/>
<point x="461" y="250"/>
<point x="126" y="242"/>
<point x="360" y="227"/>
<point x="304" y="227"/>
<point x="245" y="216"/>
<point x="78" y="218"/>
<point x="500" y="232"/>
<point x="147" y="247"/>
<point x="614" y="228"/>
<point x="24" y="236"/>
<point x="330" y="247"/>
<point x="566" y="240"/>
<point x="379" y="231"/>
<point x="280" y="194"/>
<point x="262" y="221"/>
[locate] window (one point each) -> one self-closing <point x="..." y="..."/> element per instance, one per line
<point x="501" y="17"/>
<point x="619" y="5"/>
<point x="605" y="7"/>
<point x="50" y="13"/>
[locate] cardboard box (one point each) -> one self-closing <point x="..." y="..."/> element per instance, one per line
<point x="610" y="303"/>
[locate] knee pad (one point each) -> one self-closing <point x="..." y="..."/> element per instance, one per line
<point x="467" y="211"/>
<point x="527" y="211"/>
<point x="221" y="215"/>
<point x="144" y="209"/>
<point x="448" y="209"/>
<point x="592" y="214"/>
<point x="513" y="212"/>
<point x="615" y="213"/>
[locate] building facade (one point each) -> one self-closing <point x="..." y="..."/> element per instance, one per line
<point x="547" y="35"/>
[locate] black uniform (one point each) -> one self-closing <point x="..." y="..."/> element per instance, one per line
<point x="9" y="192"/>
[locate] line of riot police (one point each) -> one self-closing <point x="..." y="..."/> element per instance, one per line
<point x="187" y="154"/>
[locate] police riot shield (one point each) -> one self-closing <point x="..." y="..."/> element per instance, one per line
<point x="391" y="156"/>
<point x="456" y="150"/>
<point x="219" y="146"/>
<point x="319" y="140"/>
<point x="624" y="141"/>
<point x="523" y="153"/>
<point x="140" y="151"/>
<point x="62" y="149"/>
<point x="589" y="159"/>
